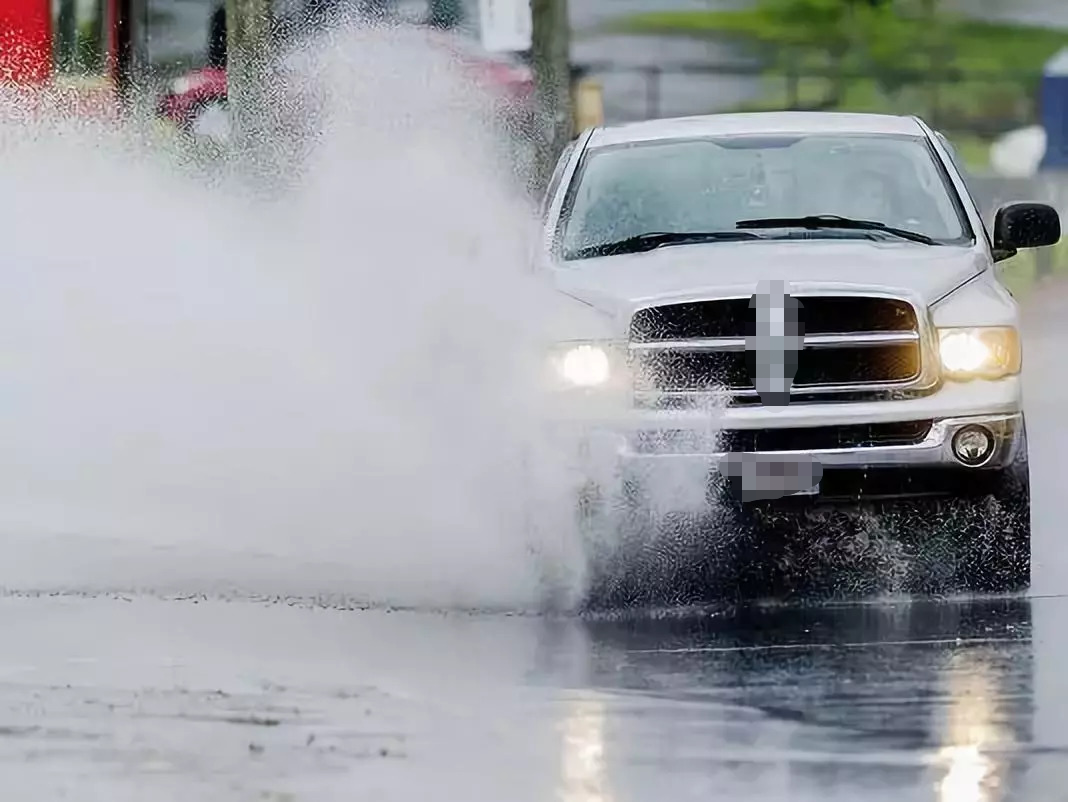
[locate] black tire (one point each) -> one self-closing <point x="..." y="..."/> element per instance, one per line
<point x="613" y="541"/>
<point x="974" y="543"/>
<point x="642" y="559"/>
<point x="977" y="542"/>
<point x="994" y="553"/>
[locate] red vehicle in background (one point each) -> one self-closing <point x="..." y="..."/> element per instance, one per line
<point x="81" y="63"/>
<point x="196" y="102"/>
<point x="26" y="41"/>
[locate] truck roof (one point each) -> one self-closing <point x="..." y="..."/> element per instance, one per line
<point x="758" y="123"/>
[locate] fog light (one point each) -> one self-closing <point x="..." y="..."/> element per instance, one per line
<point x="973" y="445"/>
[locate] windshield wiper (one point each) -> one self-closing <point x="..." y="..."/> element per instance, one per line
<point x="658" y="239"/>
<point x="834" y="221"/>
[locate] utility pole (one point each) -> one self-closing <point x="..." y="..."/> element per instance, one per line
<point x="551" y="57"/>
<point x="67" y="35"/>
<point x="248" y="43"/>
<point x="131" y="48"/>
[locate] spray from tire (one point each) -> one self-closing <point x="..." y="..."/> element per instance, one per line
<point x="327" y="389"/>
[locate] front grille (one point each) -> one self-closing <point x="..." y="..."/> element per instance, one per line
<point x="677" y="371"/>
<point x="850" y="342"/>
<point x="867" y="435"/>
<point x="732" y="317"/>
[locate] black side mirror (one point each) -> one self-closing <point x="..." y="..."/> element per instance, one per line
<point x="1024" y="225"/>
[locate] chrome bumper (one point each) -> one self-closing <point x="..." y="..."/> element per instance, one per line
<point x="934" y="451"/>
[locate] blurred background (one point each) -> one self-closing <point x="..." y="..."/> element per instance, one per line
<point x="991" y="75"/>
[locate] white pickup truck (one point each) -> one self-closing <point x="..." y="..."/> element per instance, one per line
<point x="790" y="313"/>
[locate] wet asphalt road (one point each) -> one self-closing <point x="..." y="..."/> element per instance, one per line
<point x="173" y="700"/>
<point x="166" y="700"/>
<point x="126" y="696"/>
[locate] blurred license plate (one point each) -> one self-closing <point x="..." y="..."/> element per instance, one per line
<point x="757" y="477"/>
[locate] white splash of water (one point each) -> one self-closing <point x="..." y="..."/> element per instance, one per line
<point x="338" y="381"/>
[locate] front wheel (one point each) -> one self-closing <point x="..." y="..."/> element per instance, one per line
<point x="988" y="546"/>
<point x="976" y="541"/>
<point x="639" y="556"/>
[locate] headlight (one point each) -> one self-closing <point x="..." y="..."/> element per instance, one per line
<point x="585" y="365"/>
<point x="980" y="353"/>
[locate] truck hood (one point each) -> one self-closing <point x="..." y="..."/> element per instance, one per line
<point x="618" y="284"/>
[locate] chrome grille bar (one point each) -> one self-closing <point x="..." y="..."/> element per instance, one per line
<point x="846" y="339"/>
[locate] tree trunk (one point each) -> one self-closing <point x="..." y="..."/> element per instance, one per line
<point x="551" y="56"/>
<point x="66" y="35"/>
<point x="248" y="27"/>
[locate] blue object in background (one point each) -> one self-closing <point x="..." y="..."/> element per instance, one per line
<point x="1053" y="103"/>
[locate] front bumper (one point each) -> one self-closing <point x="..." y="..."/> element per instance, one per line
<point x="615" y="447"/>
<point x="934" y="450"/>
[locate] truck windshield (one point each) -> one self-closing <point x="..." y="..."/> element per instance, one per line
<point x="711" y="184"/>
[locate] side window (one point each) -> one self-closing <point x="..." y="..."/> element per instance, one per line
<point x="557" y="177"/>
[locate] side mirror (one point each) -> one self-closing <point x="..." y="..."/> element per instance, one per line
<point x="1024" y="225"/>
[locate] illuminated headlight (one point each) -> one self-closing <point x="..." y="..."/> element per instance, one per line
<point x="980" y="353"/>
<point x="587" y="365"/>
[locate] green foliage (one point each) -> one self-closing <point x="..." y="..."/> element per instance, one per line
<point x="1020" y="273"/>
<point x="898" y="34"/>
<point x="893" y="42"/>
<point x="886" y="39"/>
<point x="89" y="48"/>
<point x="808" y="23"/>
<point x="898" y="55"/>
